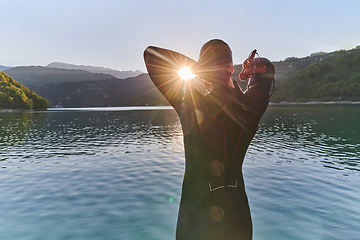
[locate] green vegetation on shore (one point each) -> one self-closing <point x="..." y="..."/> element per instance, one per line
<point x="333" y="76"/>
<point x="321" y="76"/>
<point x="79" y="88"/>
<point x="336" y="77"/>
<point x="14" y="95"/>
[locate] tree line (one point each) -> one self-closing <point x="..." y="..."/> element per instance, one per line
<point x="14" y="95"/>
<point x="336" y="77"/>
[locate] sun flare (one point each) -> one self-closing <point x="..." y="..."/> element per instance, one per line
<point x="186" y="74"/>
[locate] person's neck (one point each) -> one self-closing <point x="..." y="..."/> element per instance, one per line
<point x="213" y="86"/>
<point x="228" y="84"/>
<point x="218" y="83"/>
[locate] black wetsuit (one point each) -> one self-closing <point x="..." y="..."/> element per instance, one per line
<point x="218" y="128"/>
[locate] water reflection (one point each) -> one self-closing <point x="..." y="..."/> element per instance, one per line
<point x="13" y="127"/>
<point x="326" y="134"/>
<point x="60" y="134"/>
<point x="117" y="175"/>
<point x="318" y="133"/>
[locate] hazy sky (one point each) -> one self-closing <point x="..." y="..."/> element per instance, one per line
<point x="114" y="33"/>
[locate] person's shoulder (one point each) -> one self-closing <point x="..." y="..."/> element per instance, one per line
<point x="260" y="79"/>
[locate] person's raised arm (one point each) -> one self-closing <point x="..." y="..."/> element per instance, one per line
<point x="162" y="66"/>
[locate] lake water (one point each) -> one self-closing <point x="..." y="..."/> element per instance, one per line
<point x="115" y="174"/>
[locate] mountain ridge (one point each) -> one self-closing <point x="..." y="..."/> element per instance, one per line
<point x="80" y="88"/>
<point x="2" y="68"/>
<point x="93" y="69"/>
<point x="316" y="77"/>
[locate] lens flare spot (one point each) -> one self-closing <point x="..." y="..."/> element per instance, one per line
<point x="186" y="74"/>
<point x="216" y="168"/>
<point x="216" y="213"/>
<point x="199" y="116"/>
<point x="171" y="199"/>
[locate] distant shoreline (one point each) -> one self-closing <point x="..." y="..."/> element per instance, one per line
<point x="316" y="103"/>
<point x="124" y="108"/>
<point x="16" y="110"/>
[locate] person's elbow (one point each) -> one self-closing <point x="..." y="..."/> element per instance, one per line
<point x="149" y="51"/>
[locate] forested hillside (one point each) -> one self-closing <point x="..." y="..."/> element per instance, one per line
<point x="289" y="66"/>
<point x="79" y="88"/>
<point x="14" y="95"/>
<point x="319" y="77"/>
<point x="115" y="73"/>
<point x="335" y="78"/>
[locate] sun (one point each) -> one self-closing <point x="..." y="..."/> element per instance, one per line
<point x="186" y="74"/>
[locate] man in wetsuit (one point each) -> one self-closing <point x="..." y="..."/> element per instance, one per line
<point x="218" y="127"/>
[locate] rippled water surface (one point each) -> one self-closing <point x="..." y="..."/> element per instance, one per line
<point x="117" y="174"/>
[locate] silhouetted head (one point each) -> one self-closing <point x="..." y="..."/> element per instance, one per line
<point x="257" y="66"/>
<point x="215" y="62"/>
<point x="269" y="67"/>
